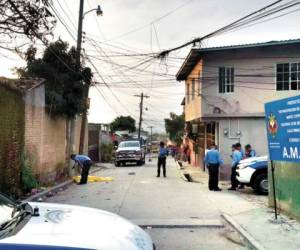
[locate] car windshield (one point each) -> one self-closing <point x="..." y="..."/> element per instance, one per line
<point x="128" y="144"/>
<point x="6" y="209"/>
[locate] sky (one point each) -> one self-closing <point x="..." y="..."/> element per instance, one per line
<point x="114" y="43"/>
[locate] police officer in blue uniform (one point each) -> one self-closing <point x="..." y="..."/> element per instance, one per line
<point x="162" y="156"/>
<point x="237" y="156"/>
<point x="213" y="161"/>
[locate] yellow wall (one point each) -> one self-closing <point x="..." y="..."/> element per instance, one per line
<point x="193" y="107"/>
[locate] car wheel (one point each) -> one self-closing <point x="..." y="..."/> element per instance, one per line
<point x="139" y="163"/>
<point x="261" y="185"/>
<point x="117" y="164"/>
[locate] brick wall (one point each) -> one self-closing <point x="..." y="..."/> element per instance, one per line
<point x="45" y="138"/>
<point x="11" y="140"/>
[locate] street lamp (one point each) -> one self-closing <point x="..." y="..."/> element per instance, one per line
<point x="82" y="14"/>
<point x="98" y="10"/>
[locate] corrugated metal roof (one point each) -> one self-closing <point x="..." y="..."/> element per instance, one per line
<point x="251" y="45"/>
<point x="195" y="54"/>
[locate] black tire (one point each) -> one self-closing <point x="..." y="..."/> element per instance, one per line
<point x="260" y="184"/>
<point x="117" y="164"/>
<point x="139" y="163"/>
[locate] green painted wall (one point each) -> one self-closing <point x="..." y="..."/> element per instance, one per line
<point x="12" y="115"/>
<point x="287" y="183"/>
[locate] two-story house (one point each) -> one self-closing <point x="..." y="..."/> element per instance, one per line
<point x="226" y="89"/>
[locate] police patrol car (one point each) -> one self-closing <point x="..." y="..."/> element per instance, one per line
<point x="253" y="172"/>
<point x="48" y="226"/>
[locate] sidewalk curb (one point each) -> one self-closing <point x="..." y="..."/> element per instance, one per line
<point x="180" y="172"/>
<point x="179" y="223"/>
<point x="253" y="242"/>
<point x="54" y="189"/>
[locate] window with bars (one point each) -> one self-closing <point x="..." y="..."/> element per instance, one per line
<point x="288" y="76"/>
<point x="226" y="79"/>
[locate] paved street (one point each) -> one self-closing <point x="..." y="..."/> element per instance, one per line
<point x="138" y="195"/>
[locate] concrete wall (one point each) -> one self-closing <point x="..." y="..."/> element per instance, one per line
<point x="252" y="132"/>
<point x="287" y="182"/>
<point x="45" y="138"/>
<point x="250" y="92"/>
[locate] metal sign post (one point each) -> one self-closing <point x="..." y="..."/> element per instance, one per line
<point x="283" y="132"/>
<point x="273" y="185"/>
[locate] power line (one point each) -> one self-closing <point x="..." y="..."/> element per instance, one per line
<point x="238" y="23"/>
<point x="152" y="22"/>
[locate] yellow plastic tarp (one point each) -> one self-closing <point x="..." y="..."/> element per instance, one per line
<point x="93" y="179"/>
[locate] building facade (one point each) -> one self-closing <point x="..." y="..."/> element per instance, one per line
<point x="226" y="88"/>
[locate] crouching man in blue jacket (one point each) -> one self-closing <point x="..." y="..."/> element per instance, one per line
<point x="85" y="164"/>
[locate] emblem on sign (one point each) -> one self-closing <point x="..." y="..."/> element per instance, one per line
<point x="272" y="125"/>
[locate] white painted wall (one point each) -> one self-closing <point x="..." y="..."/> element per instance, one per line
<point x="250" y="93"/>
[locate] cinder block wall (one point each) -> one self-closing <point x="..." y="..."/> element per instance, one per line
<point x="45" y="138"/>
<point x="287" y="183"/>
<point x="11" y="140"/>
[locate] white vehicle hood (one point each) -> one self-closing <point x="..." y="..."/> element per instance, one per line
<point x="75" y="226"/>
<point x="254" y="159"/>
<point x="128" y="149"/>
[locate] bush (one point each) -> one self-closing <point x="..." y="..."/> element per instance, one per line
<point x="106" y="152"/>
<point x="28" y="180"/>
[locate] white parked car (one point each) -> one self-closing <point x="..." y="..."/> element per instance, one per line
<point x="253" y="172"/>
<point x="56" y="226"/>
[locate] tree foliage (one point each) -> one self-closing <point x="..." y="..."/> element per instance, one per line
<point x="21" y="19"/>
<point x="174" y="127"/>
<point x="64" y="86"/>
<point x="123" y="123"/>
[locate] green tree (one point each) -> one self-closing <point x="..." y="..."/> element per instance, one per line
<point x="174" y="127"/>
<point x="123" y="123"/>
<point x="64" y="86"/>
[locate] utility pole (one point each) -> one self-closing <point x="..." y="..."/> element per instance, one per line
<point x="78" y="53"/>
<point x="142" y="96"/>
<point x="86" y="88"/>
<point x="150" y="157"/>
<point x="78" y="62"/>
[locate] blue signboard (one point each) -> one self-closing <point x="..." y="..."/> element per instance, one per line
<point x="283" y="129"/>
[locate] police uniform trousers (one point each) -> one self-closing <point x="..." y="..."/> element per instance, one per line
<point x="213" y="181"/>
<point x="85" y="172"/>
<point x="161" y="163"/>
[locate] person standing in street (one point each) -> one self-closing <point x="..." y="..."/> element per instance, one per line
<point x="162" y="156"/>
<point x="213" y="161"/>
<point x="85" y="164"/>
<point x="236" y="158"/>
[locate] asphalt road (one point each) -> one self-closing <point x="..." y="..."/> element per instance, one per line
<point x="138" y="195"/>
